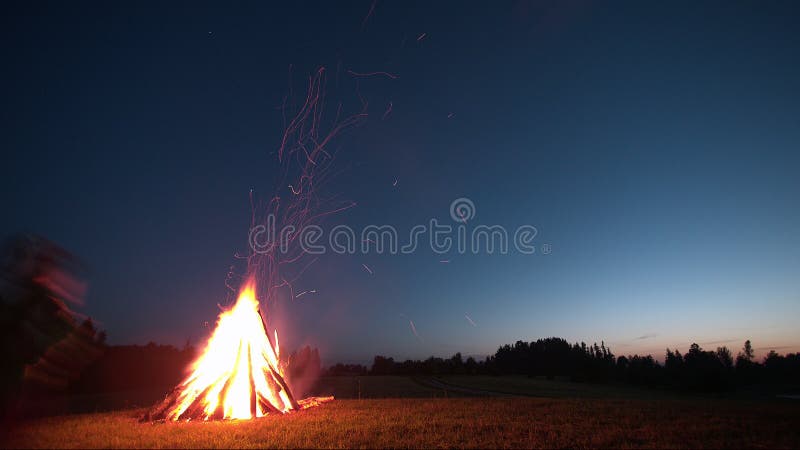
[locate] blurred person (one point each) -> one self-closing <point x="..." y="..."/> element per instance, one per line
<point x="45" y="343"/>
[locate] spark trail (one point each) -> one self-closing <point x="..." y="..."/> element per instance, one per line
<point x="388" y="111"/>
<point x="305" y="164"/>
<point x="414" y="330"/>
<point x="470" y="320"/>
<point x="369" y="14"/>
<point x="373" y="74"/>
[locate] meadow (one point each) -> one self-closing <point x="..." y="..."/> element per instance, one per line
<point x="430" y="417"/>
<point x="440" y="423"/>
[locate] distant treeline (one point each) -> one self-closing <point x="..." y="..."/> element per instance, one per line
<point x="133" y="367"/>
<point x="698" y="369"/>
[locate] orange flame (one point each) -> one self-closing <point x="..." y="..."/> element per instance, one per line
<point x="239" y="374"/>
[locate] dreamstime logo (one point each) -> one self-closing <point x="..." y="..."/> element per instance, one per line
<point x="462" y="209"/>
<point x="440" y="238"/>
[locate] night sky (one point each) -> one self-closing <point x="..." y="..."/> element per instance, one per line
<point x="654" y="145"/>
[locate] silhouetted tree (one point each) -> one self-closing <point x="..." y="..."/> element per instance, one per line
<point x="698" y="369"/>
<point x="747" y="370"/>
<point x="782" y="369"/>
<point x="135" y="367"/>
<point x="382" y="366"/>
<point x="471" y="366"/>
<point x="704" y="370"/>
<point x="345" y="370"/>
<point x="725" y="357"/>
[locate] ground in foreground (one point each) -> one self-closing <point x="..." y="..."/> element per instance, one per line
<point x="454" y="422"/>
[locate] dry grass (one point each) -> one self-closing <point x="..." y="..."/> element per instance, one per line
<point x="461" y="422"/>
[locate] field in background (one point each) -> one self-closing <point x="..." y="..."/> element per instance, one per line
<point x="542" y="387"/>
<point x="354" y="387"/>
<point x="374" y="387"/>
<point x="471" y="386"/>
<point x="454" y="422"/>
<point x="508" y="385"/>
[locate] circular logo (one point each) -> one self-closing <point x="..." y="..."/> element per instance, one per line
<point x="462" y="209"/>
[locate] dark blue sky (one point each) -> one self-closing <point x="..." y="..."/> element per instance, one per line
<point x="654" y="146"/>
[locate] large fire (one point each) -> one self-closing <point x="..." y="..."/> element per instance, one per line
<point x="239" y="375"/>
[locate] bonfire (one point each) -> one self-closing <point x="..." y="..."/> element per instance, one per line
<point x="239" y="375"/>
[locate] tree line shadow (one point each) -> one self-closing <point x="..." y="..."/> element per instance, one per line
<point x="696" y="370"/>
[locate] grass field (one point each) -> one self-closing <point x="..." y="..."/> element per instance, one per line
<point x="374" y="387"/>
<point x="542" y="387"/>
<point x="439" y="422"/>
<point x="547" y="414"/>
<point x="432" y="387"/>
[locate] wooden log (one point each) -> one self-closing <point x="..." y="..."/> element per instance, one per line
<point x="274" y="370"/>
<point x="310" y="402"/>
<point x="275" y="388"/>
<point x="197" y="408"/>
<point x="284" y="386"/>
<point x="252" y="383"/>
<point x="266" y="406"/>
<point x="159" y="412"/>
<point x="219" y="411"/>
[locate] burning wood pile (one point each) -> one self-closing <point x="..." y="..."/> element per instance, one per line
<point x="239" y="375"/>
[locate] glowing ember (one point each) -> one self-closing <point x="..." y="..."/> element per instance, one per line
<point x="239" y="375"/>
